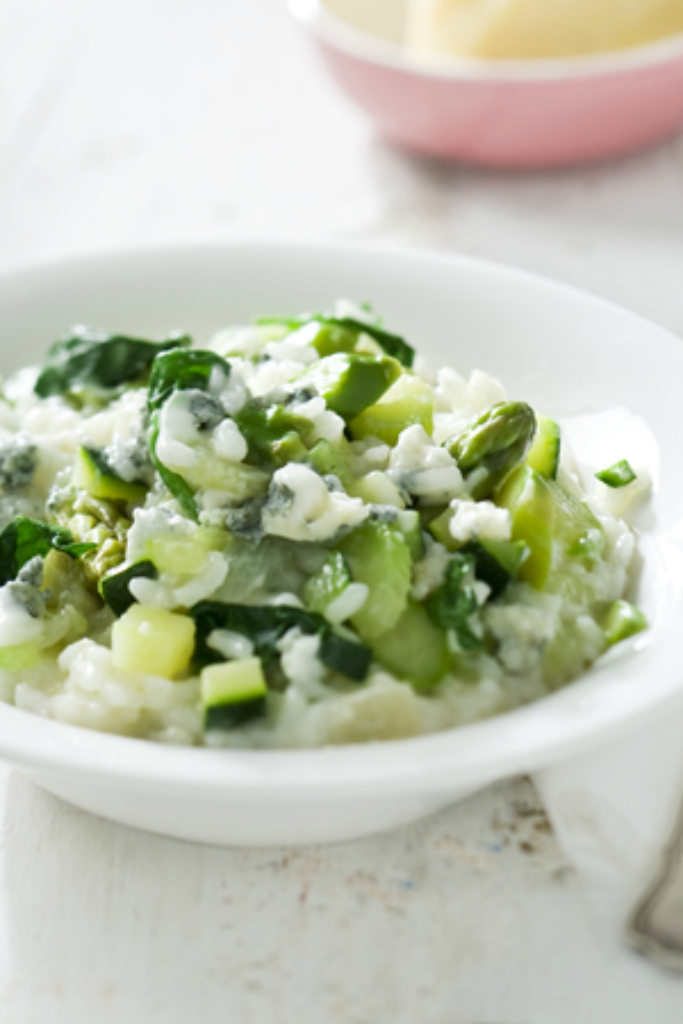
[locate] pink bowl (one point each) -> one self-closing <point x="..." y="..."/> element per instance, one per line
<point x="506" y="113"/>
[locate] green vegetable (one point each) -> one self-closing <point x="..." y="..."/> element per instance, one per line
<point x="529" y="499"/>
<point x="113" y="587"/>
<point x="273" y="433"/>
<point x="415" y="649"/>
<point x="179" y="370"/>
<point x="544" y="454"/>
<point x="332" y="460"/>
<point x="378" y="555"/>
<point x="349" y="383"/>
<point x="233" y="693"/>
<point x="265" y="625"/>
<point x="490" y="447"/>
<point x="341" y="335"/>
<point x="618" y="475"/>
<point x="94" y="474"/>
<point x="408" y="401"/>
<point x="92" y="359"/>
<point x="24" y="539"/>
<point x="328" y="583"/>
<point x="451" y="605"/>
<point x="621" y="621"/>
<point x="575" y="527"/>
<point x="409" y="523"/>
<point x="497" y="562"/>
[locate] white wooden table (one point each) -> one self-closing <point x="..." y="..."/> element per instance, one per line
<point x="123" y="123"/>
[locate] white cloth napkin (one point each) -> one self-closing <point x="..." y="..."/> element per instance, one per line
<point x="614" y="812"/>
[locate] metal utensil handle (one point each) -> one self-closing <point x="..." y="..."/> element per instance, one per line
<point x="655" y="928"/>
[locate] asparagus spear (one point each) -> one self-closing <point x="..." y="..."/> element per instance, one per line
<point x="492" y="445"/>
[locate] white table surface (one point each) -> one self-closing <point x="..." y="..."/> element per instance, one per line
<point x="127" y="122"/>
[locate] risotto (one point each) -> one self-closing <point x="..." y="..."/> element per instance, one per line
<point x="294" y="536"/>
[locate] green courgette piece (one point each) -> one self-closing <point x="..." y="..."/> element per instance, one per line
<point x="529" y="499"/>
<point x="619" y="475"/>
<point x="93" y="473"/>
<point x="232" y="693"/>
<point x="415" y="649"/>
<point x="349" y="383"/>
<point x="332" y="460"/>
<point x="378" y="555"/>
<point x="409" y="523"/>
<point x="114" y="589"/>
<point x="328" y="583"/>
<point x="407" y="402"/>
<point x="544" y="454"/>
<point x="622" y="620"/>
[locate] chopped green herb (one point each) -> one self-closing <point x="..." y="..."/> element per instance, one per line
<point x="451" y="605"/>
<point x="618" y="475"/>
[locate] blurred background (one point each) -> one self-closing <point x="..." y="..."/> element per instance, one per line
<point x="124" y="123"/>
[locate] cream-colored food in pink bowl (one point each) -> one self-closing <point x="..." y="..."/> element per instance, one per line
<point x="505" y="112"/>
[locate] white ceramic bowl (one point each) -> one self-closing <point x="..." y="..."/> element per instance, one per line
<point x="563" y="351"/>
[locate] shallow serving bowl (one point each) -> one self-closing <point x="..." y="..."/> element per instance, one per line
<point x="523" y="113"/>
<point x="562" y="350"/>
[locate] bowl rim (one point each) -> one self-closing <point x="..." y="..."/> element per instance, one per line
<point x="560" y="725"/>
<point x="337" y="34"/>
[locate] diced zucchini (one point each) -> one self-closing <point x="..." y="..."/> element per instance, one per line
<point x="408" y="401"/>
<point x="182" y="555"/>
<point x="410" y="525"/>
<point x="529" y="499"/>
<point x="544" y="454"/>
<point x="329" y="583"/>
<point x="415" y="649"/>
<point x="576" y="527"/>
<point x="350" y="383"/>
<point x="152" y="641"/>
<point x="332" y="338"/>
<point x="378" y="556"/>
<point x="346" y="657"/>
<point x="376" y="489"/>
<point x="621" y="621"/>
<point x="332" y="460"/>
<point x="92" y="473"/>
<point x="237" y="479"/>
<point x="232" y="693"/>
<point x="440" y="530"/>
<point x="17" y="657"/>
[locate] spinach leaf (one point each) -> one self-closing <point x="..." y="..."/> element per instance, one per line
<point x="178" y="370"/>
<point x="451" y="605"/>
<point x="114" y="589"/>
<point x="392" y="344"/>
<point x="91" y="358"/>
<point x="24" y="539"/>
<point x="265" y="625"/>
